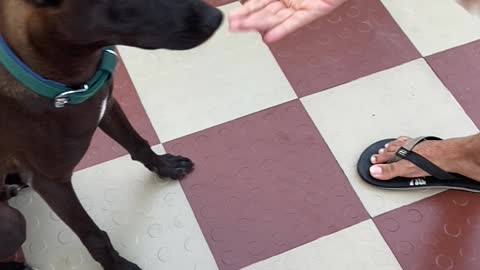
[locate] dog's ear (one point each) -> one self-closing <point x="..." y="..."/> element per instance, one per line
<point x="47" y="3"/>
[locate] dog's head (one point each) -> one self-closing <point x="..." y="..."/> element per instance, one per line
<point x="148" y="24"/>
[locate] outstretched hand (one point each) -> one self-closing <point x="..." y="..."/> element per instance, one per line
<point x="275" y="19"/>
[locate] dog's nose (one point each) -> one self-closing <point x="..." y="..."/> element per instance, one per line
<point x="213" y="19"/>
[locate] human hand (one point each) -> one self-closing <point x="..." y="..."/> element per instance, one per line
<point x="470" y="5"/>
<point x="275" y="19"/>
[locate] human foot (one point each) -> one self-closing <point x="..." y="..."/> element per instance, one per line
<point x="453" y="155"/>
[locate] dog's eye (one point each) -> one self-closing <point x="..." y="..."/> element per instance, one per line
<point x="47" y="3"/>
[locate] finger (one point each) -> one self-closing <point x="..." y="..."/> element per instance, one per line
<point x="249" y="8"/>
<point x="293" y="23"/>
<point x="267" y="19"/>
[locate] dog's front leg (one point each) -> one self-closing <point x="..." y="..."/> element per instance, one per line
<point x="117" y="126"/>
<point x="61" y="198"/>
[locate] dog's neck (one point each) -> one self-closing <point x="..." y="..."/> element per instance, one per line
<point x="40" y="48"/>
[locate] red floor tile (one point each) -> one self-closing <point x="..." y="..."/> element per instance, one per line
<point x="219" y="3"/>
<point x="103" y="148"/>
<point x="459" y="70"/>
<point x="358" y="39"/>
<point x="441" y="232"/>
<point x="264" y="184"/>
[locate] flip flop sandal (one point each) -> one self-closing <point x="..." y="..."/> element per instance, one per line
<point x="438" y="179"/>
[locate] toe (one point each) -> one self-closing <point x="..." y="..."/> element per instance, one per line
<point x="387" y="153"/>
<point x="382" y="157"/>
<point x="390" y="171"/>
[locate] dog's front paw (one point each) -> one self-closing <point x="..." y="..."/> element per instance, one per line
<point x="170" y="166"/>
<point x="125" y="265"/>
<point x="9" y="191"/>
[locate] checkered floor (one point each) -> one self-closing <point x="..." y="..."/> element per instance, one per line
<point x="276" y="133"/>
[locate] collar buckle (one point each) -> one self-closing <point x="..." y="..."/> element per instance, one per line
<point x="63" y="99"/>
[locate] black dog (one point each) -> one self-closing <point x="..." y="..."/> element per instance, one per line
<point x="50" y="45"/>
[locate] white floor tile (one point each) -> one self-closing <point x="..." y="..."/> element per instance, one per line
<point x="406" y="100"/>
<point x="360" y="247"/>
<point x="230" y="76"/>
<point x="434" y="25"/>
<point x="149" y="221"/>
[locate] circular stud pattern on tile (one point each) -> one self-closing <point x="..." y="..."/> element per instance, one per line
<point x="259" y="145"/>
<point x="302" y="178"/>
<point x="119" y="218"/>
<point x="444" y="262"/>
<point x="278" y="239"/>
<point x="415" y="216"/>
<point x="207" y="212"/>
<point x="75" y="261"/>
<point x="365" y="27"/>
<point x="229" y="257"/>
<point x="473" y="221"/>
<point x="180" y="221"/>
<point x="197" y="190"/>
<point x="339" y="190"/>
<point x="323" y="41"/>
<point x="391" y="225"/>
<point x="268" y="164"/>
<point x="243" y="224"/>
<point x="224" y="132"/>
<point x="334" y="18"/>
<point x="218" y="234"/>
<point x="155" y="230"/>
<point x="169" y="199"/>
<point x="222" y="181"/>
<point x="283" y="137"/>
<point x="405" y="248"/>
<point x="353" y="12"/>
<point x="452" y="230"/>
<point x="244" y="172"/>
<point x="460" y="201"/>
<point x="65" y="237"/>
<point x="314" y="198"/>
<point x="234" y="152"/>
<point x="256" y="248"/>
<point x="430" y="239"/>
<point x="190" y="244"/>
<point x="202" y="139"/>
<point x="164" y="254"/>
<point x="234" y="202"/>
<point x="33" y="224"/>
<point x="129" y="241"/>
<point x="45" y="267"/>
<point x="351" y="211"/>
<point x="268" y="216"/>
<point x="269" y="117"/>
<point x="178" y="148"/>
<point x="38" y="246"/>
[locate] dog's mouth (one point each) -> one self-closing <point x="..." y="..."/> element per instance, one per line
<point x="184" y="40"/>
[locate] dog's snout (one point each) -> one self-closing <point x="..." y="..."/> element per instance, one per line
<point x="213" y="19"/>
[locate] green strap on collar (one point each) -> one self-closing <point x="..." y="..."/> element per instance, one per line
<point x="60" y="93"/>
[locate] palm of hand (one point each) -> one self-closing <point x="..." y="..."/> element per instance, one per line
<point x="277" y="18"/>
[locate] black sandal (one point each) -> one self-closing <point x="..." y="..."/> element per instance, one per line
<point x="438" y="179"/>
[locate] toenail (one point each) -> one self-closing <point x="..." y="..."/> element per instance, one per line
<point x="381" y="151"/>
<point x="375" y="170"/>
<point x="373" y="159"/>
<point x="386" y="145"/>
